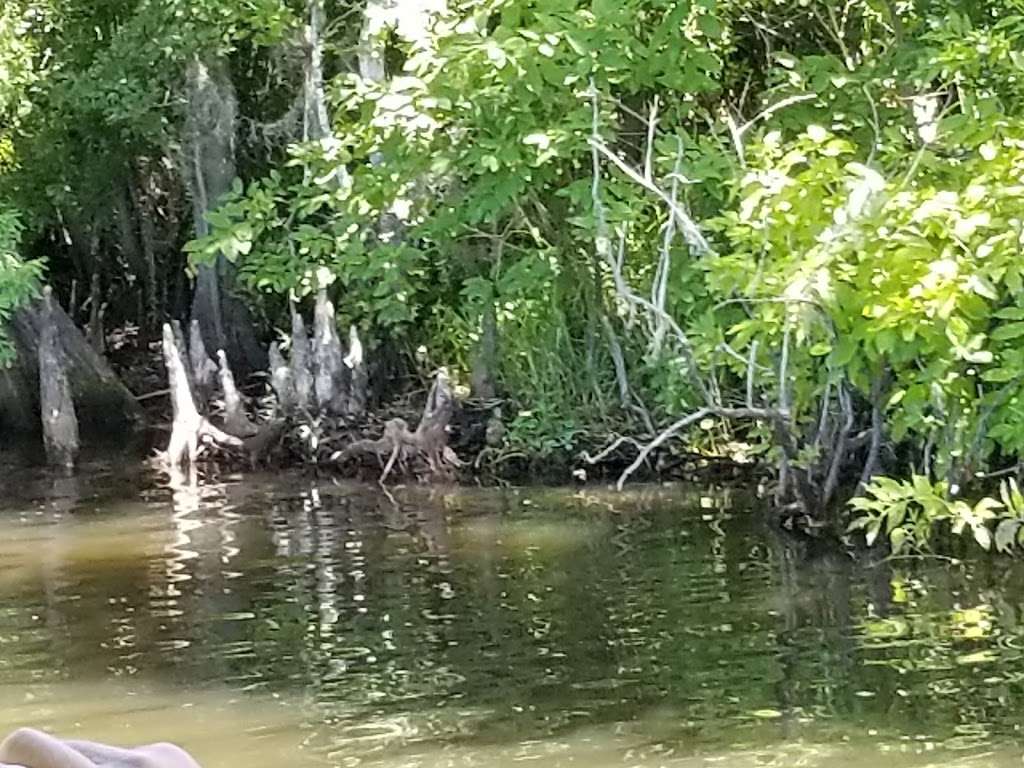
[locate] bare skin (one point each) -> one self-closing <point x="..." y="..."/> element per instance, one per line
<point x="28" y="748"/>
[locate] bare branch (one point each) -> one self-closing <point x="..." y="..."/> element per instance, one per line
<point x="652" y="127"/>
<point x="769" y="111"/>
<point x="665" y="435"/>
<point x="752" y="414"/>
<point x="606" y="452"/>
<point x="751" y="365"/>
<point x="694" y="238"/>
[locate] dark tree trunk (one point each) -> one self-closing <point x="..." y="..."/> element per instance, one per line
<point x="147" y="239"/>
<point x="484" y="360"/>
<point x="212" y="109"/>
<point x="97" y="309"/>
<point x="131" y="248"/>
<point x="103" y="405"/>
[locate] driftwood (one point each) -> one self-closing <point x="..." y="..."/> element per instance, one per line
<point x="236" y="420"/>
<point x="429" y="441"/>
<point x="189" y="426"/>
<point x="60" y="423"/>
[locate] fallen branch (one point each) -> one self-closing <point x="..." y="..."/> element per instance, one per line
<point x="604" y="453"/>
<point x="691" y="233"/>
<point x="152" y="395"/>
<point x="751" y="414"/>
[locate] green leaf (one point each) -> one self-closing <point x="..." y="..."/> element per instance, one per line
<point x="1006" y="534"/>
<point x="1007" y="332"/>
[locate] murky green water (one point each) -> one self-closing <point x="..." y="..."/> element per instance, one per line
<point x="281" y="621"/>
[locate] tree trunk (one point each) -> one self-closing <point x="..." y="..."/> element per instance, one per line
<point x="329" y="369"/>
<point x="189" y="427"/>
<point x="485" y="358"/>
<point x="302" y="376"/>
<point x="147" y="239"/>
<point x="60" y="425"/>
<point x="281" y="380"/>
<point x="359" y="378"/>
<point x="203" y="369"/>
<point x="97" y="309"/>
<point x="212" y="109"/>
<point x="315" y="121"/>
<point x="236" y="420"/>
<point x="104" y="406"/>
<point x="131" y="248"/>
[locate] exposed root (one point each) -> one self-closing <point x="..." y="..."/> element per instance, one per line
<point x="429" y="442"/>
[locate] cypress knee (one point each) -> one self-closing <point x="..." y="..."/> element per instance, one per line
<point x="59" y="421"/>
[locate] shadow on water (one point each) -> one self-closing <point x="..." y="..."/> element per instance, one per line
<point x="284" y="620"/>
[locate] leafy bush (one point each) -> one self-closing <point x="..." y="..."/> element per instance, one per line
<point x="909" y="514"/>
<point x="19" y="279"/>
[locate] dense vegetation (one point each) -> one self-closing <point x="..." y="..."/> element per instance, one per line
<point x="778" y="228"/>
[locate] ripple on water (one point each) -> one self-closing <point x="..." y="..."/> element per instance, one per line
<point x="325" y="626"/>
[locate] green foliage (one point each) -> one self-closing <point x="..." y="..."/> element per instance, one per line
<point x="911" y="514"/>
<point x="857" y="176"/>
<point x="17" y="70"/>
<point x="19" y="278"/>
<point x="864" y="222"/>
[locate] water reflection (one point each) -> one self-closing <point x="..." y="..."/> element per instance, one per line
<point x="282" y="619"/>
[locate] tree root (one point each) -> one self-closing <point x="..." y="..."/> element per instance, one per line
<point x="401" y="445"/>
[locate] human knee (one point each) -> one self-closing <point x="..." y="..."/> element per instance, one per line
<point x="167" y="755"/>
<point x="21" y="742"/>
<point x="22" y="737"/>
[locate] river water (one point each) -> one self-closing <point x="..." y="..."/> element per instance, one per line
<point x="283" y="620"/>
